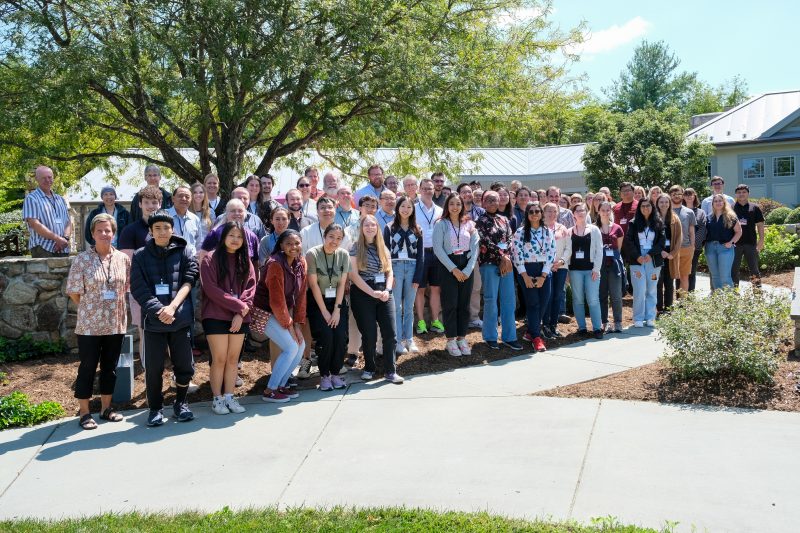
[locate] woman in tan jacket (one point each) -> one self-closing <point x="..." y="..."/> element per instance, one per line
<point x="671" y="269"/>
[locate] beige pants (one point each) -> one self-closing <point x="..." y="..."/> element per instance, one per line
<point x="475" y="297"/>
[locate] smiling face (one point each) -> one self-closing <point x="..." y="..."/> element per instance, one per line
<point x="235" y="211"/>
<point x="149" y="206"/>
<point x="212" y="186"/>
<point x="254" y="188"/>
<point x="109" y="198"/>
<point x="523" y="197"/>
<point x="198" y="195"/>
<point x="266" y="186"/>
<point x="550" y="213"/>
<point x="391" y="183"/>
<point x="580" y="213"/>
<point x="332" y="240"/>
<point x="181" y="199"/>
<point x="410" y="187"/>
<point x="466" y="195"/>
<point x="234" y="240"/>
<point x="376" y="177"/>
<point x="491" y="202"/>
<point x="326" y="211"/>
<point x="280" y="221"/>
<point x="292" y="246"/>
<point x="44" y="178"/>
<point x="718" y="186"/>
<point x="294" y="200"/>
<point x="387" y="201"/>
<point x="454" y="206"/>
<point x="534" y="214"/>
<point x="405" y="209"/>
<point x="369" y="227"/>
<point x="605" y="212"/>
<point x="503" y="198"/>
<point x="152" y="177"/>
<point x="369" y="207"/>
<point x="663" y="204"/>
<point x="103" y="233"/>
<point x="304" y="186"/>
<point x="344" y="197"/>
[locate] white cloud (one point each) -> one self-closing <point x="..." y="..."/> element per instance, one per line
<point x="611" y="38"/>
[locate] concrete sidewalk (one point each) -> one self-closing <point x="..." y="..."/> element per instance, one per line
<point x="470" y="439"/>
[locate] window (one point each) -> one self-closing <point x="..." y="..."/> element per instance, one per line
<point x="783" y="166"/>
<point x="753" y="167"/>
<point x="708" y="169"/>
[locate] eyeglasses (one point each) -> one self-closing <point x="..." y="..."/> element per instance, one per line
<point x="535" y="212"/>
<point x="304" y="185"/>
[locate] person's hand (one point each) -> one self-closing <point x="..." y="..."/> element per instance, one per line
<point x="236" y="323"/>
<point x="728" y="244"/>
<point x="60" y="243"/>
<point x="665" y="255"/>
<point x="414" y="286"/>
<point x="760" y="245"/>
<point x="647" y="259"/>
<point x="505" y="265"/>
<point x="333" y="319"/>
<point x="376" y="294"/>
<point x="166" y="314"/>
<point x="556" y="266"/>
<point x="383" y="296"/>
<point x="595" y="275"/>
<point x="326" y="316"/>
<point x="245" y="311"/>
<point x="642" y="259"/>
<point x="528" y="280"/>
<point x="298" y="333"/>
<point x="459" y="275"/>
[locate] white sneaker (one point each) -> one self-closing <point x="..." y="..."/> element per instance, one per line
<point x="638" y="324"/>
<point x="219" y="407"/>
<point x="367" y="376"/>
<point x="463" y="345"/>
<point x="395" y="378"/>
<point x="651" y="323"/>
<point x="453" y="349"/>
<point x="233" y="406"/>
<point x="305" y="369"/>
<point x="400" y="349"/>
<point x="476" y="324"/>
<point x="412" y="347"/>
<point x="344" y="370"/>
<point x="239" y="381"/>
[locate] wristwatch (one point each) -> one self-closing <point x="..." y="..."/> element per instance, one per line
<point x="340" y="306"/>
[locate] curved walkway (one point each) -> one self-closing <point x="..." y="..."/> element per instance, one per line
<point x="471" y="439"/>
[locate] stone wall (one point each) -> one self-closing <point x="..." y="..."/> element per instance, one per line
<point x="32" y="299"/>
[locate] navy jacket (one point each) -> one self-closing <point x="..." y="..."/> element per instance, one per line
<point x="122" y="216"/>
<point x="631" y="249"/>
<point x="173" y="266"/>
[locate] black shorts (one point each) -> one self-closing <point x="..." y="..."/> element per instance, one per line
<point x="430" y="270"/>
<point x="212" y="326"/>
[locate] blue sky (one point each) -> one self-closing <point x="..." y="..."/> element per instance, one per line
<point x="717" y="39"/>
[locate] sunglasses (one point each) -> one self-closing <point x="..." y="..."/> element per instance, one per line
<point x="535" y="212"/>
<point x="304" y="185"/>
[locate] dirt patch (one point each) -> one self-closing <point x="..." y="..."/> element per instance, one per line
<point x="778" y="279"/>
<point x="657" y="383"/>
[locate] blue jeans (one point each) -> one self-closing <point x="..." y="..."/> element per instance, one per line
<point x="584" y="290"/>
<point x="404" y="296"/>
<point x="644" y="291"/>
<point x="720" y="262"/>
<point x="536" y="299"/>
<point x="494" y="286"/>
<point x="558" y="297"/>
<point x="290" y="355"/>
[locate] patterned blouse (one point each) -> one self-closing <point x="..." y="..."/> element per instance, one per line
<point x="540" y="248"/>
<point x="495" y="238"/>
<point x="96" y="281"/>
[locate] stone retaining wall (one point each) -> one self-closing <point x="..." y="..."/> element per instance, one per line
<point x="32" y="299"/>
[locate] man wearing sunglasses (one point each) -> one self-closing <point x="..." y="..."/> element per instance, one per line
<point x="439" y="195"/>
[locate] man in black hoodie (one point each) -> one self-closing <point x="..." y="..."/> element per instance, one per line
<point x="163" y="273"/>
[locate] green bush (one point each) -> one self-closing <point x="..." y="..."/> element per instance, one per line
<point x="12" y="223"/>
<point x="767" y="205"/>
<point x="27" y="348"/>
<point x="16" y="410"/>
<point x="793" y="217"/>
<point x="781" y="250"/>
<point x="777" y="216"/>
<point x="729" y="333"/>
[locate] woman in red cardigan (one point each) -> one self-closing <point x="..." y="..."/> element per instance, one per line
<point x="229" y="285"/>
<point x="280" y="304"/>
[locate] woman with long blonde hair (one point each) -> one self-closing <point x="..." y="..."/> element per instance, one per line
<point x="724" y="231"/>
<point x="371" y="300"/>
<point x="201" y="208"/>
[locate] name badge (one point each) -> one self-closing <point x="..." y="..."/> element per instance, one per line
<point x="609" y="252"/>
<point x="380" y="277"/>
<point x="502" y="245"/>
<point x="579" y="254"/>
<point x="743" y="221"/>
<point x="109" y="295"/>
<point x="458" y="252"/>
<point x="623" y="221"/>
<point x="666" y="243"/>
<point x="162" y="289"/>
<point x="402" y="254"/>
<point x="330" y="292"/>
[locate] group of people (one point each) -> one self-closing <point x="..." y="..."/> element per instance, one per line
<point x="341" y="272"/>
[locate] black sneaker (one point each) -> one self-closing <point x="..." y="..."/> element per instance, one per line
<point x="583" y="332"/>
<point x="493" y="345"/>
<point x="598" y="334"/>
<point x="514" y="345"/>
<point x="564" y="319"/>
<point x="555" y="333"/>
<point x="292" y="383"/>
<point x="546" y="333"/>
<point x="351" y="361"/>
<point x="155" y="417"/>
<point x="182" y="412"/>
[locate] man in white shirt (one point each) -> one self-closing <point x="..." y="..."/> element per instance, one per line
<point x="186" y="224"/>
<point x="313" y="235"/>
<point x="718" y="186"/>
<point x="375" y="186"/>
<point x="427" y="214"/>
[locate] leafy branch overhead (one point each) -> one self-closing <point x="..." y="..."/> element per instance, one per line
<point x="226" y="76"/>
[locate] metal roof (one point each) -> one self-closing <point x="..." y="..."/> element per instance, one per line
<point x="528" y="162"/>
<point x="763" y="118"/>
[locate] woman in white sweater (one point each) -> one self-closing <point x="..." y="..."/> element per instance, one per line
<point x="585" y="263"/>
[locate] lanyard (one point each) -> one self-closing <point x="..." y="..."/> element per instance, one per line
<point x="345" y="223"/>
<point x="539" y="243"/>
<point x="106" y="273"/>
<point x="457" y="232"/>
<point x="429" y="220"/>
<point x="329" y="268"/>
<point x="646" y="234"/>
<point x="384" y="217"/>
<point x="181" y="224"/>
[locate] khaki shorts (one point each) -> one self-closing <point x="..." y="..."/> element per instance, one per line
<point x="685" y="257"/>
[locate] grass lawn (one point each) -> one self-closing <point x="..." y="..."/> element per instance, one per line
<point x="337" y="519"/>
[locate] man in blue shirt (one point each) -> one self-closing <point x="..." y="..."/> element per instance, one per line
<point x="375" y="186"/>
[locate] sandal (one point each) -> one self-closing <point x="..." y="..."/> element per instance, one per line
<point x="111" y="415"/>
<point x="87" y="422"/>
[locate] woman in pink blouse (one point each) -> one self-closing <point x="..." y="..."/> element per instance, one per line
<point x="97" y="283"/>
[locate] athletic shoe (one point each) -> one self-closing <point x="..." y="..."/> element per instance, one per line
<point x="617" y="327"/>
<point x="289" y="393"/>
<point x="292" y="382"/>
<point x="564" y="319"/>
<point x="547" y="333"/>
<point x="463" y="345"/>
<point x="338" y="383"/>
<point x="367" y="376"/>
<point x="325" y="384"/>
<point x="638" y="324"/>
<point x="155" y="417"/>
<point x="598" y="334"/>
<point x="476" y="324"/>
<point x="395" y="378"/>
<point x="344" y="370"/>
<point x="437" y="327"/>
<point x="583" y="332"/>
<point x="651" y="323"/>
<point x="234" y="406"/>
<point x="239" y="381"/>
<point x="182" y="412"/>
<point x="421" y="327"/>
<point x="493" y="345"/>
<point x="400" y="349"/>
<point x="313" y="358"/>
<point x="274" y="397"/>
<point x="453" y="349"/>
<point x="538" y="344"/>
<point x="514" y="345"/>
<point x="412" y="347"/>
<point x="556" y="334"/>
<point x="305" y="369"/>
<point x="528" y="337"/>
<point x="351" y="361"/>
<point x="218" y="406"/>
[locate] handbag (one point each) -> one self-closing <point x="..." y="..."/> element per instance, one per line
<point x="260" y="319"/>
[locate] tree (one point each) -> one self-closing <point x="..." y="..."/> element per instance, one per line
<point x="225" y="78"/>
<point x="651" y="80"/>
<point x="647" y="147"/>
<point x="704" y="98"/>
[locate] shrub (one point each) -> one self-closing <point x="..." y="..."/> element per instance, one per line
<point x="781" y="250"/>
<point x="27" y="348"/>
<point x="778" y="216"/>
<point x="12" y="223"/>
<point x="16" y="410"/>
<point x="729" y="333"/>
<point x="793" y="217"/>
<point x="767" y="205"/>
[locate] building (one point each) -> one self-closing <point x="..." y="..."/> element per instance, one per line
<point x="757" y="143"/>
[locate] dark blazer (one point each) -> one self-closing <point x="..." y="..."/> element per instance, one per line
<point x="631" y="250"/>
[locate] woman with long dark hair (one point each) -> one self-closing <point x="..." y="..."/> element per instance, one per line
<point x="612" y="275"/>
<point x="641" y="248"/>
<point x="253" y="186"/>
<point x="280" y="311"/>
<point x="229" y="284"/>
<point x="584" y="270"/>
<point x="673" y="233"/>
<point x="505" y="206"/>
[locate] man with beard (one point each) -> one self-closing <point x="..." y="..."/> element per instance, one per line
<point x="294" y="203"/>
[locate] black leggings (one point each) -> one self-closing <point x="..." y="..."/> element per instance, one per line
<point x="94" y="349"/>
<point x="331" y="343"/>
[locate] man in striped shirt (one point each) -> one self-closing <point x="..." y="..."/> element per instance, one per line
<point x="47" y="216"/>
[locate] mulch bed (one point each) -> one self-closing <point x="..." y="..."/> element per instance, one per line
<point x="657" y="383"/>
<point x="52" y="378"/>
<point x="778" y="279"/>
